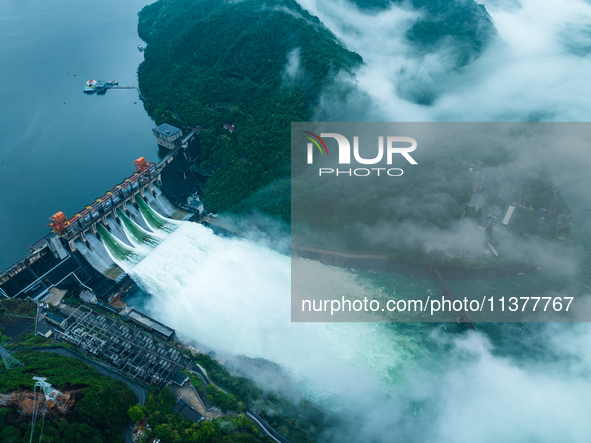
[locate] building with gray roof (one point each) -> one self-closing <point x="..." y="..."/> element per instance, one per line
<point x="149" y="324"/>
<point x="168" y="136"/>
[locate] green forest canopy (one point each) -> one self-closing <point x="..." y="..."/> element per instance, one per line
<point x="212" y="62"/>
<point x="100" y="411"/>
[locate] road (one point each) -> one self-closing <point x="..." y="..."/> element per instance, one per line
<point x="191" y="398"/>
<point x="196" y="368"/>
<point x="128" y="432"/>
<point x="264" y="427"/>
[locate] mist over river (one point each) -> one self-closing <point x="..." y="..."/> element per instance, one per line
<point x="404" y="382"/>
<point x="401" y="382"/>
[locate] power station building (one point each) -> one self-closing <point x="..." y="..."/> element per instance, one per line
<point x="149" y="324"/>
<point x="168" y="136"/>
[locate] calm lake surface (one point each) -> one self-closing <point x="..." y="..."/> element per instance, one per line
<point x="60" y="149"/>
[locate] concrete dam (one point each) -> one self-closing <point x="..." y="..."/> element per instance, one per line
<point x="87" y="251"/>
<point x="117" y="225"/>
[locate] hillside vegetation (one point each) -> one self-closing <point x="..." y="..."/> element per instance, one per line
<point x="100" y="408"/>
<point x="298" y="422"/>
<point x="170" y="427"/>
<point x="258" y="66"/>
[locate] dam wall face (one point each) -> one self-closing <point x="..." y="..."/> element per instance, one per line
<point x="42" y="269"/>
<point x="179" y="181"/>
<point x="86" y="251"/>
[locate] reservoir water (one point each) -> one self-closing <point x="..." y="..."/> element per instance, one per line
<point x="61" y="148"/>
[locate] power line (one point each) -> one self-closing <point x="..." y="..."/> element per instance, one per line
<point x="10" y="361"/>
<point x="51" y="394"/>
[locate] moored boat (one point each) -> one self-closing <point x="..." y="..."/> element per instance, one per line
<point x="90" y="85"/>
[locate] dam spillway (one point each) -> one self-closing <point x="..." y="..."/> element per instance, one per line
<point x="122" y="196"/>
<point x="122" y="231"/>
<point x="120" y="227"/>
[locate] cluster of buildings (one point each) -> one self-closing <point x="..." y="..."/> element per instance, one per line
<point x="494" y="197"/>
<point x="492" y="204"/>
<point x="145" y="353"/>
<point x="491" y="215"/>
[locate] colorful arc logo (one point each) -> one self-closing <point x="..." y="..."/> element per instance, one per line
<point x="316" y="143"/>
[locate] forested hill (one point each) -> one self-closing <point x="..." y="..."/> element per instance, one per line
<point x="256" y="65"/>
<point x="463" y="23"/>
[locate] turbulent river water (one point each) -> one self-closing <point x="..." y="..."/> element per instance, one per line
<point x="407" y="382"/>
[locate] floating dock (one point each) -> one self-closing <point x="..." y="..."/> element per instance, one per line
<point x="100" y="87"/>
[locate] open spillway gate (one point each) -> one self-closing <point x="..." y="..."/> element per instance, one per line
<point x="119" y="228"/>
<point x="104" y="208"/>
<point x="125" y="222"/>
<point x="145" y="183"/>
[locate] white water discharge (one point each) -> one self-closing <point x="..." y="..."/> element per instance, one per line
<point x="234" y="296"/>
<point x="119" y="251"/>
<point x="158" y="223"/>
<point x="404" y="382"/>
<point x="139" y="238"/>
<point x="128" y="241"/>
<point x="142" y="241"/>
<point x="118" y="231"/>
<point x="137" y="217"/>
<point x="160" y="202"/>
<point x="98" y="257"/>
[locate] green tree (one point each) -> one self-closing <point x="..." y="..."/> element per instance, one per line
<point x="136" y="413"/>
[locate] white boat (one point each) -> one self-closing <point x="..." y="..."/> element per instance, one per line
<point x="90" y="84"/>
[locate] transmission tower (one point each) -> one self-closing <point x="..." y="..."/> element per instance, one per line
<point x="9" y="360"/>
<point x="51" y="394"/>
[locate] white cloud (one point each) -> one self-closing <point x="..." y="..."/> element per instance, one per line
<point x="292" y="70"/>
<point x="537" y="68"/>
